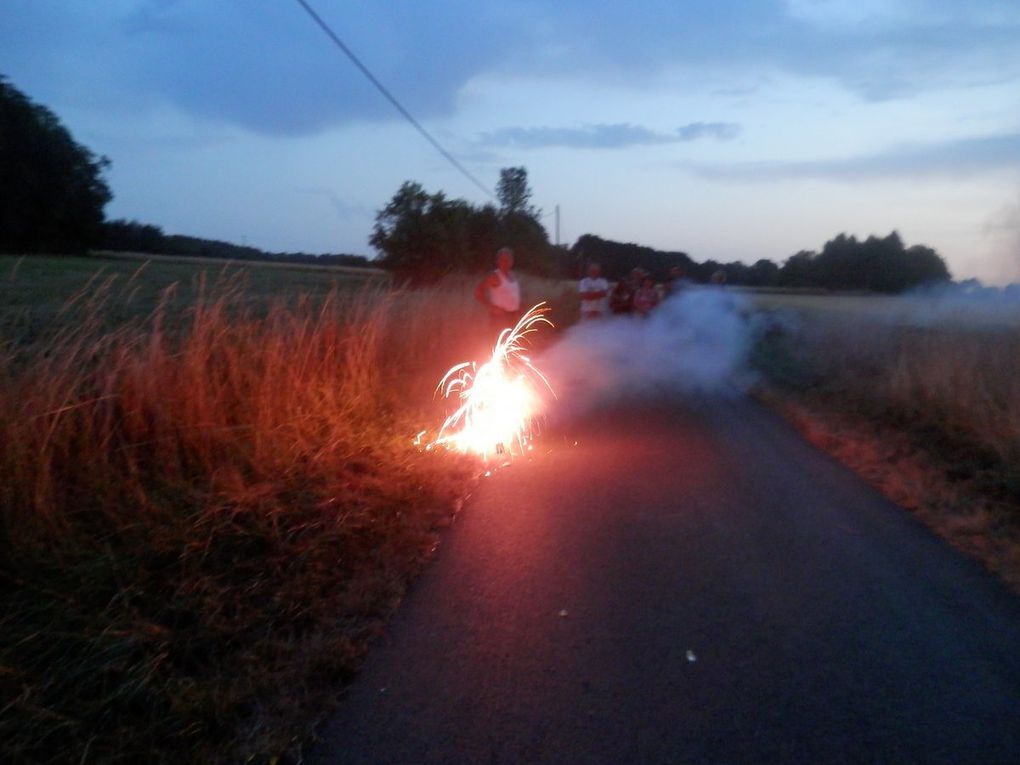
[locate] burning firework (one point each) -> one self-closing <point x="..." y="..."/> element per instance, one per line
<point x="500" y="399"/>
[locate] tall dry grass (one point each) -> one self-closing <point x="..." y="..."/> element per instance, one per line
<point x="958" y="382"/>
<point x="208" y="511"/>
<point x="100" y="414"/>
<point x="925" y="404"/>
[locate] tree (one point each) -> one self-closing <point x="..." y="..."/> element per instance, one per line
<point x="530" y="243"/>
<point x="513" y="192"/>
<point x="839" y="266"/>
<point x="922" y="265"/>
<point x="880" y="264"/>
<point x="422" y="236"/>
<point x="133" y="236"/>
<point x="763" y="273"/>
<point x="52" y="190"/>
<point x="618" y="259"/>
<point x="519" y="224"/>
<point x="408" y="233"/>
<point x="484" y="236"/>
<point x="798" y="270"/>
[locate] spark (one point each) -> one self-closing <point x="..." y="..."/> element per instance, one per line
<point x="500" y="399"/>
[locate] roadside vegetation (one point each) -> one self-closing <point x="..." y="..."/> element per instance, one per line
<point x="210" y="499"/>
<point x="920" y="396"/>
<point x="210" y="503"/>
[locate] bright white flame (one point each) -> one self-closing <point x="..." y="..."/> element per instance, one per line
<point x="500" y="399"/>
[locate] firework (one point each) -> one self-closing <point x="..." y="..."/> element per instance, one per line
<point x="500" y="399"/>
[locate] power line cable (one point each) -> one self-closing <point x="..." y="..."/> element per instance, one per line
<point x="392" y="99"/>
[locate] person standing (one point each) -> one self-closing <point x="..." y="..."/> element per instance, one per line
<point x="593" y="290"/>
<point x="622" y="299"/>
<point x="500" y="292"/>
<point x="646" y="297"/>
<point x="675" y="282"/>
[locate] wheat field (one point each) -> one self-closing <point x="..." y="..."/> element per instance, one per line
<point x="209" y="498"/>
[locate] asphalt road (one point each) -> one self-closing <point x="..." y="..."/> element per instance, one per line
<point x="692" y="583"/>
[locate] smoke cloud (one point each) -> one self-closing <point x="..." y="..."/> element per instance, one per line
<point x="959" y="304"/>
<point x="695" y="342"/>
<point x="1004" y="230"/>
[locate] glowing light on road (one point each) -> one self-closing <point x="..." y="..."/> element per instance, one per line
<point x="500" y="399"/>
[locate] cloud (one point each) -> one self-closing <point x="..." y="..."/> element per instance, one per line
<point x="959" y="158"/>
<point x="722" y="131"/>
<point x="263" y="64"/>
<point x="877" y="54"/>
<point x="266" y="66"/>
<point x="259" y="64"/>
<point x="606" y="136"/>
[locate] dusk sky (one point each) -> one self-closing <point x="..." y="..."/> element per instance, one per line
<point x="730" y="129"/>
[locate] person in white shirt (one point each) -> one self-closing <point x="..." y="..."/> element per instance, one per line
<point x="593" y="290"/>
<point x="500" y="292"/>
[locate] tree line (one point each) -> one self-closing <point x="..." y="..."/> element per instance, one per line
<point x="876" y="264"/>
<point x="134" y="236"/>
<point x="423" y="236"/>
<point x="53" y="192"/>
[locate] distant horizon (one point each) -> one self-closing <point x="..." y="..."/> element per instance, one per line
<point x="372" y="257"/>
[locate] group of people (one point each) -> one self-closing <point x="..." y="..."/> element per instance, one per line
<point x="638" y="294"/>
<point x="500" y="292"/>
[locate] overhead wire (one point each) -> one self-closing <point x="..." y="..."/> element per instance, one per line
<point x="391" y="98"/>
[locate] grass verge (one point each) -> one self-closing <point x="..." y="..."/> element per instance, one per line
<point x="208" y="509"/>
<point x="929" y="414"/>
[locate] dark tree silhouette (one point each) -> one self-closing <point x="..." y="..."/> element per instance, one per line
<point x="52" y="190"/>
<point x="514" y="193"/>
<point x="876" y="264"/>
<point x="133" y="236"/>
<point x="618" y="259"/>
<point x="881" y="264"/>
<point x="763" y="273"/>
<point x="798" y="270"/>
<point x="421" y="236"/>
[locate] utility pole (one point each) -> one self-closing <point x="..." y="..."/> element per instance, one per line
<point x="557" y="225"/>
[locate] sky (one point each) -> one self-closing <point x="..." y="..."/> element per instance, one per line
<point x="729" y="129"/>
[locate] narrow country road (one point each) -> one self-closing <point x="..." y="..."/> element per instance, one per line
<point x="689" y="583"/>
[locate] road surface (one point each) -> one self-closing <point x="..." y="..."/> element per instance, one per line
<point x="690" y="582"/>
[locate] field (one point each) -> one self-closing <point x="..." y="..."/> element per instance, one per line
<point x="917" y="311"/>
<point x="919" y="395"/>
<point x="34" y="291"/>
<point x="210" y="497"/>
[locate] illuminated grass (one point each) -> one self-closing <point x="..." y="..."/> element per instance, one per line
<point x="209" y="507"/>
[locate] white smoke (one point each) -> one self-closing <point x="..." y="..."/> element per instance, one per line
<point x="957" y="304"/>
<point x="696" y="341"/>
<point x="1003" y="228"/>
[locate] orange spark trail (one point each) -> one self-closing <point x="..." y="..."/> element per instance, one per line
<point x="500" y="399"/>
